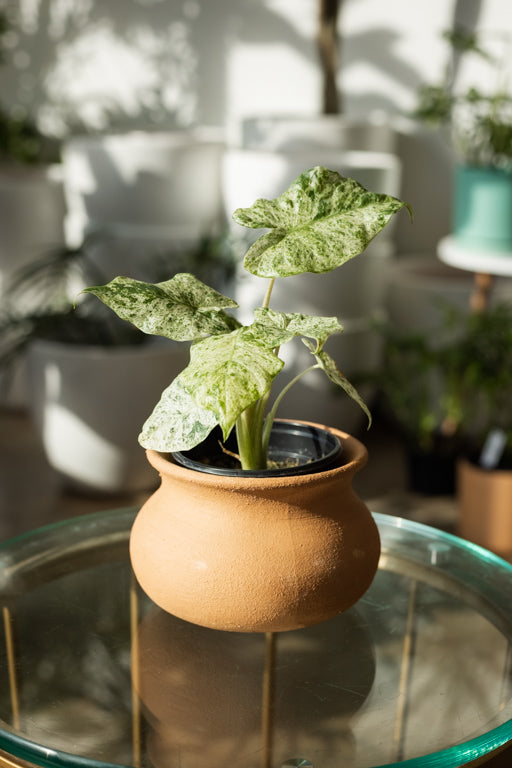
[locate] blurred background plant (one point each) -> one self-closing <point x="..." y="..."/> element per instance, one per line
<point x="21" y="141"/>
<point x="445" y="391"/>
<point x="480" y="122"/>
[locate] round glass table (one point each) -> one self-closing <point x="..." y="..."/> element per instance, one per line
<point x="417" y="674"/>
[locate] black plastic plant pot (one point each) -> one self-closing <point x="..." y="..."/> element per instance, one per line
<point x="294" y="449"/>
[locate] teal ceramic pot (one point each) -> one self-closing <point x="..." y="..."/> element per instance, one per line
<point x="483" y="208"/>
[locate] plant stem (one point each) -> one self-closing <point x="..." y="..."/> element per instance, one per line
<point x="252" y="429"/>
<point x="248" y="431"/>
<point x="266" y="300"/>
<point x="267" y="427"/>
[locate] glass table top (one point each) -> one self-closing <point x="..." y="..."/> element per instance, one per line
<point x="417" y="674"/>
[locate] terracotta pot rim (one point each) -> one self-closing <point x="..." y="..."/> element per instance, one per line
<point x="353" y="457"/>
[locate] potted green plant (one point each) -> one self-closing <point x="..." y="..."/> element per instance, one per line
<point x="448" y="390"/>
<point x="254" y="548"/>
<point x="414" y="385"/>
<point x="480" y="125"/>
<point x="484" y="472"/>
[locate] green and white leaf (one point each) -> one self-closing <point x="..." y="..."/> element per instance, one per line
<point x="177" y="422"/>
<point x="275" y="328"/>
<point x="327" y="364"/>
<point x="182" y="308"/>
<point x="228" y="373"/>
<point x="319" y="223"/>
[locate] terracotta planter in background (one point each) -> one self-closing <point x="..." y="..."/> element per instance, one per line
<point x="255" y="554"/>
<point x="485" y="507"/>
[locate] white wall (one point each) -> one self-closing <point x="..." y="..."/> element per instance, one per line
<point x="161" y="63"/>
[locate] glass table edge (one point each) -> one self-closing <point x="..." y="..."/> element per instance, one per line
<point x="468" y="751"/>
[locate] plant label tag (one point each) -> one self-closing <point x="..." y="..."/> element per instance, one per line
<point x="493" y="449"/>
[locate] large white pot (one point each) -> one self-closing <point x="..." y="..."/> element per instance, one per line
<point x="249" y="174"/>
<point x="31" y="215"/>
<point x="169" y="180"/>
<point x="313" y="132"/>
<point x="89" y="404"/>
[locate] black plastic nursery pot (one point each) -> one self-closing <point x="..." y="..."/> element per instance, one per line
<point x="295" y="448"/>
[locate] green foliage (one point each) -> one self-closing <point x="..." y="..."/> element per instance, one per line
<point x="320" y="222"/>
<point x="183" y="308"/>
<point x="480" y="122"/>
<point x="21" y="140"/>
<point x="455" y="383"/>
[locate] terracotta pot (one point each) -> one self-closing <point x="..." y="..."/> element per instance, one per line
<point x="256" y="554"/>
<point x="485" y="506"/>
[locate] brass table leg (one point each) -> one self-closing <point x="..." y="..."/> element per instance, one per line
<point x="483" y="285"/>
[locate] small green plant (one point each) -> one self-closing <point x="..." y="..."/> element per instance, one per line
<point x="320" y="222"/>
<point x="450" y="388"/>
<point x="480" y="122"/>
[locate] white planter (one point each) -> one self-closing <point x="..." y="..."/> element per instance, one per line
<point x="89" y="404"/>
<point x="252" y="174"/>
<point x="169" y="181"/>
<point x="313" y="132"/>
<point x="32" y="213"/>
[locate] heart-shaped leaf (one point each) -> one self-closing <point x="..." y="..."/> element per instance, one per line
<point x="319" y="223"/>
<point x="182" y="308"/>
<point x="228" y="373"/>
<point x="177" y="422"/>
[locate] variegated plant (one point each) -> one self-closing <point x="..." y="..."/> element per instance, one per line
<point x="318" y="224"/>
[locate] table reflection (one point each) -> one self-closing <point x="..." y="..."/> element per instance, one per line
<point x="223" y="698"/>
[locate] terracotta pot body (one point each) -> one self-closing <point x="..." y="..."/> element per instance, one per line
<point x="256" y="554"/>
<point x="485" y="507"/>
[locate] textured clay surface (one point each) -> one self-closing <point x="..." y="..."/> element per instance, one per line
<point x="256" y="554"/>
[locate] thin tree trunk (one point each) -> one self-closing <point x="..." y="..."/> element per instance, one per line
<point x="327" y="41"/>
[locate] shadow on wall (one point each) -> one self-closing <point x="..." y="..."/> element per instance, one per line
<point x="129" y="64"/>
<point x="133" y="64"/>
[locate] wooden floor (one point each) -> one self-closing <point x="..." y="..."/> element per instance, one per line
<point x="31" y="495"/>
